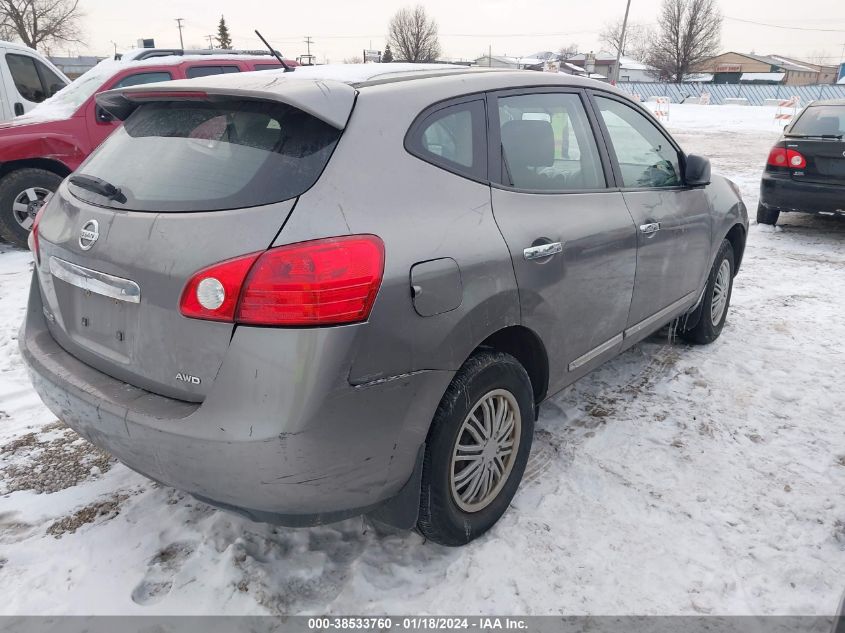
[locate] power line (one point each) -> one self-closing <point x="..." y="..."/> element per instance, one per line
<point x="781" y="26"/>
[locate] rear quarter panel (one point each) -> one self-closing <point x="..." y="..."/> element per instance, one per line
<point x="422" y="212"/>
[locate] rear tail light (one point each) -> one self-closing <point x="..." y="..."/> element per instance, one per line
<point x="323" y="282"/>
<point x="33" y="242"/>
<point x="787" y="158"/>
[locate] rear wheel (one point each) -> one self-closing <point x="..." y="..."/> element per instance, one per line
<point x="22" y="193"/>
<point x="477" y="449"/>
<point x="716" y="300"/>
<point x="766" y="215"/>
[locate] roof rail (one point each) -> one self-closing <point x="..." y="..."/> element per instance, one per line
<point x="167" y="52"/>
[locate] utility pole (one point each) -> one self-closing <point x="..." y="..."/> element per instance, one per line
<point x="621" y="44"/>
<point x="309" y="41"/>
<point x="490" y="56"/>
<point x="179" y="24"/>
<point x="210" y="41"/>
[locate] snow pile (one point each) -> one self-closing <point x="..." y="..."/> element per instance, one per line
<point x="673" y="480"/>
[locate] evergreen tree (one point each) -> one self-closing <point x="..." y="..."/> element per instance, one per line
<point x="387" y="56"/>
<point x="224" y="40"/>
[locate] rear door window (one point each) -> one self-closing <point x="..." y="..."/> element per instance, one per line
<point x="205" y="71"/>
<point x="142" y="78"/>
<point x="201" y="156"/>
<point x="452" y="137"/>
<point x="547" y="143"/>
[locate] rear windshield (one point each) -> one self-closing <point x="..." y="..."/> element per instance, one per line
<point x="208" y="156"/>
<point x="821" y="120"/>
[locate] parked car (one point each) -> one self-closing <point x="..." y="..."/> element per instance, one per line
<point x="347" y="290"/>
<point x="805" y="171"/>
<point x="39" y="149"/>
<point x="26" y="79"/>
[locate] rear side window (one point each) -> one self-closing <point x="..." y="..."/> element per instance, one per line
<point x="452" y="137"/>
<point x="142" y="78"/>
<point x="821" y="120"/>
<point x="268" y="67"/>
<point x="547" y="143"/>
<point x="646" y="157"/>
<point x="201" y="156"/>
<point x="205" y="71"/>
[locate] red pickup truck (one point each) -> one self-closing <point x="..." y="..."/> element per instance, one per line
<point x="39" y="149"/>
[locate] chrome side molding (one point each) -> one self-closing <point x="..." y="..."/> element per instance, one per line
<point x="95" y="281"/>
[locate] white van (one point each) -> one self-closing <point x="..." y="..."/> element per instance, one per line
<point x="26" y="79"/>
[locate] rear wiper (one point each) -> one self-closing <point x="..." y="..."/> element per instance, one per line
<point x="837" y="137"/>
<point x="98" y="186"/>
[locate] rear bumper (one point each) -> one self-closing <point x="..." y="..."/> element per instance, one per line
<point x="785" y="194"/>
<point x="291" y="445"/>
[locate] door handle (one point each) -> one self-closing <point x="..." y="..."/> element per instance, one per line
<point x="542" y="251"/>
<point x="650" y="228"/>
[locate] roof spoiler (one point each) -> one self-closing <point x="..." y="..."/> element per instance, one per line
<point x="329" y="101"/>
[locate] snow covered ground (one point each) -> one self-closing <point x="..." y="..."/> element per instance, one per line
<point x="674" y="480"/>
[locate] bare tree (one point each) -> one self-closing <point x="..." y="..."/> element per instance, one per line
<point x="413" y="35"/>
<point x="40" y="23"/>
<point x="689" y="32"/>
<point x="570" y="50"/>
<point x="355" y="59"/>
<point x="637" y="38"/>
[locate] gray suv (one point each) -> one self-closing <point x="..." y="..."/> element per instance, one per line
<point x="342" y="291"/>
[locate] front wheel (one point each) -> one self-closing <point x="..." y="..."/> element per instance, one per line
<point x="22" y="192"/>
<point x="716" y="300"/>
<point x="477" y="449"/>
<point x="766" y="215"/>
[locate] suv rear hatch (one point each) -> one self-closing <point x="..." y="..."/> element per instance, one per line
<point x="190" y="180"/>
<point x="819" y="136"/>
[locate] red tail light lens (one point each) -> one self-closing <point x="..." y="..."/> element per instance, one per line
<point x="324" y="282"/>
<point x="777" y="157"/>
<point x="33" y="243"/>
<point x="788" y="158"/>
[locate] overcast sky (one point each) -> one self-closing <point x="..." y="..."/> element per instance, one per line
<point x="341" y="29"/>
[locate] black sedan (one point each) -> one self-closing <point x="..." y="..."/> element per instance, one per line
<point x="805" y="171"/>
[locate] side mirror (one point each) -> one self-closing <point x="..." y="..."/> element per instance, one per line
<point x="102" y="115"/>
<point x="696" y="170"/>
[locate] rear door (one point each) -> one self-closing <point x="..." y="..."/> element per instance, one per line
<point x="200" y="182"/>
<point x="571" y="239"/>
<point x="673" y="221"/>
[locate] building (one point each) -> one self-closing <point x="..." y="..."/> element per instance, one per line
<point x="73" y="67"/>
<point x="630" y="69"/>
<point x="497" y="61"/>
<point x="732" y="68"/>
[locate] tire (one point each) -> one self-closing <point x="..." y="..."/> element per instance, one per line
<point x="453" y="517"/>
<point x="766" y="215"/>
<point x="22" y="191"/>
<point x="712" y="318"/>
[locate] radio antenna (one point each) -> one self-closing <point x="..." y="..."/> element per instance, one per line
<point x="274" y="52"/>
